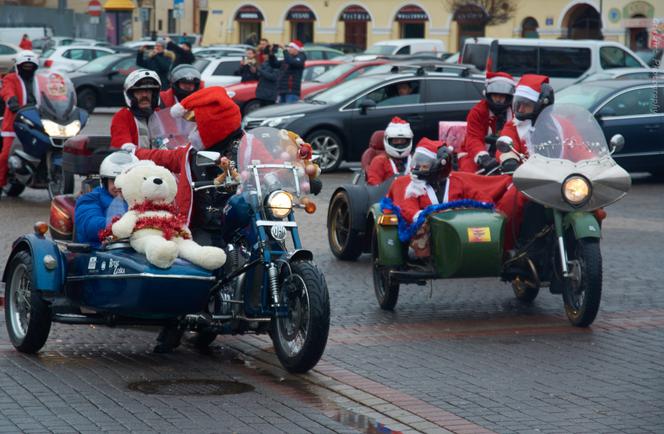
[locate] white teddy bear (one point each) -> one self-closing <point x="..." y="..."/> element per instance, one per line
<point x="152" y="224"/>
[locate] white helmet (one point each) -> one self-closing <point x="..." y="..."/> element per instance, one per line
<point x="142" y="79"/>
<point x="26" y="56"/>
<point x="115" y="163"/>
<point x="398" y="129"/>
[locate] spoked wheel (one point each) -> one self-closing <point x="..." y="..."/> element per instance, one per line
<point x="582" y="291"/>
<point x="387" y="290"/>
<point x="345" y="242"/>
<point x="27" y="315"/>
<point x="300" y="338"/>
<point x="327" y="145"/>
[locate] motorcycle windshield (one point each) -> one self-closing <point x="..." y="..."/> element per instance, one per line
<point x="568" y="132"/>
<point x="268" y="160"/>
<point x="167" y="132"/>
<point x="55" y="94"/>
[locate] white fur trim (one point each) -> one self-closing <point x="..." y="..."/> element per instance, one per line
<point x="416" y="188"/>
<point x="425" y="151"/>
<point x="527" y="92"/>
<point x="479" y="154"/>
<point x="294" y="45"/>
<point x="178" y="110"/>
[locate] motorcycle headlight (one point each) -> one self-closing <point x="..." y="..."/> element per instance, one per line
<point x="57" y="130"/>
<point x="280" y="203"/>
<point x="576" y="190"/>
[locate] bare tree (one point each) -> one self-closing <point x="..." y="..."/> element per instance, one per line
<point x="497" y="11"/>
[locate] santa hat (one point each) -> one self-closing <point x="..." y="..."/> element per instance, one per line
<point x="428" y="147"/>
<point x="530" y="86"/>
<point x="499" y="82"/>
<point x="217" y="116"/>
<point x="297" y="44"/>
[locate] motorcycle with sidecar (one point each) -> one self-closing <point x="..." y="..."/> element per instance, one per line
<point x="567" y="176"/>
<point x="269" y="283"/>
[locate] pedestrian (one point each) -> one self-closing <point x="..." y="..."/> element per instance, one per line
<point x="292" y="67"/>
<point x="252" y="39"/>
<point x="159" y="60"/>
<point x="26" y="43"/>
<point x="248" y="69"/>
<point x="261" y="53"/>
<point x="268" y="80"/>
<point x="183" y="53"/>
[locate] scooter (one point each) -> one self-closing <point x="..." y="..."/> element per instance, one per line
<point x="41" y="129"/>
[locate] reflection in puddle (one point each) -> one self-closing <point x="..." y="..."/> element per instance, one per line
<point x="362" y="422"/>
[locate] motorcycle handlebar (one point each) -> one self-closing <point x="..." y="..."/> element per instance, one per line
<point x="202" y="184"/>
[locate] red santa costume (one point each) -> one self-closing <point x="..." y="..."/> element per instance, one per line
<point x="396" y="160"/>
<point x="481" y="120"/>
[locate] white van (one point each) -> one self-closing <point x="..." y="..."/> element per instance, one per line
<point x="406" y="46"/>
<point x="565" y="61"/>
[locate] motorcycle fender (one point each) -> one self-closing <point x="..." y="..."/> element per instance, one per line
<point x="584" y="224"/>
<point x="299" y="255"/>
<point x="390" y="249"/>
<point x="45" y="280"/>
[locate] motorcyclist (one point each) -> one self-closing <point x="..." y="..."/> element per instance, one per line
<point x="488" y="117"/>
<point x="398" y="142"/>
<point x="130" y="124"/>
<point x="94" y="210"/>
<point x="16" y="91"/>
<point x="185" y="80"/>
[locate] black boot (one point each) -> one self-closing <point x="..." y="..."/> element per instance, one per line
<point x="169" y="339"/>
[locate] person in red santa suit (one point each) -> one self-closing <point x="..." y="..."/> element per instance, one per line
<point x="130" y="124"/>
<point x="487" y="117"/>
<point x="17" y="91"/>
<point x="185" y="80"/>
<point x="398" y="142"/>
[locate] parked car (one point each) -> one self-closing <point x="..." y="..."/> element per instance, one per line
<point x="432" y="65"/>
<point x="218" y="51"/>
<point x="563" y="60"/>
<point x="7" y="54"/>
<point x="70" y="57"/>
<point x="345" y="48"/>
<point x="320" y="52"/>
<point x="219" y="71"/>
<point x="40" y="45"/>
<point x="99" y="83"/>
<point x="340" y="73"/>
<point x="92" y="42"/>
<point x="245" y="93"/>
<point x="406" y="46"/>
<point x="654" y="57"/>
<point x="135" y="45"/>
<point x="632" y="108"/>
<point x="624" y="74"/>
<point x="338" y="121"/>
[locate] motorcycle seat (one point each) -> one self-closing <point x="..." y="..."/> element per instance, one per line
<point x="376" y="147"/>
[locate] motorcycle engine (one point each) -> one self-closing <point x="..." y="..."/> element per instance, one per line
<point x="236" y="257"/>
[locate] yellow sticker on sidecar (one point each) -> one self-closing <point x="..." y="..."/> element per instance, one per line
<point x="479" y="235"/>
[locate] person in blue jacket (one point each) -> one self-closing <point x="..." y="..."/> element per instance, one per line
<point x="95" y="210"/>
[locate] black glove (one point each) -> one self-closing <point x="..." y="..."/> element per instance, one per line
<point x="267" y="50"/>
<point x="315" y="185"/>
<point x="13" y="104"/>
<point x="275" y="49"/>
<point x="509" y="165"/>
<point x="487" y="162"/>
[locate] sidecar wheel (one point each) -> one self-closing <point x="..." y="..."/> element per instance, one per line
<point x="345" y="243"/>
<point x="13" y="188"/>
<point x="300" y="338"/>
<point x="387" y="292"/>
<point x="583" y="291"/>
<point x="27" y="315"/>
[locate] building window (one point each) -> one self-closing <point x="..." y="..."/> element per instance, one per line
<point x="355" y="19"/>
<point x="529" y="28"/>
<point x="411" y="19"/>
<point x="471" y="20"/>
<point x="250" y="21"/>
<point x="302" y="23"/>
<point x="171" y="21"/>
<point x="583" y="22"/>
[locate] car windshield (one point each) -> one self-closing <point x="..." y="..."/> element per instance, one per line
<point x="381" y="49"/>
<point x="584" y="95"/>
<point x="98" y="65"/>
<point x="350" y="89"/>
<point x="200" y="64"/>
<point x="46" y="54"/>
<point x="569" y="132"/>
<point x="334" y="73"/>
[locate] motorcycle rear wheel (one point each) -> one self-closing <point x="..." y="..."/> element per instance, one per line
<point x="300" y="338"/>
<point x="582" y="293"/>
<point x="27" y="315"/>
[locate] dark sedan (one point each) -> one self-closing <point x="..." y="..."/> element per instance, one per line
<point x="339" y="121"/>
<point x="633" y="108"/>
<point x="99" y="82"/>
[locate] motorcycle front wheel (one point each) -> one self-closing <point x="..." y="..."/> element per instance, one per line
<point x="582" y="291"/>
<point x="300" y="337"/>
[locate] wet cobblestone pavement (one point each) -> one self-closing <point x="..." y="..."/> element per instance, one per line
<point x="462" y="356"/>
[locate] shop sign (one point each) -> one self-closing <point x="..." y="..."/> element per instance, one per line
<point x="249" y="13"/>
<point x="355" y="13"/>
<point x="471" y="14"/>
<point x="411" y="13"/>
<point x="300" y="13"/>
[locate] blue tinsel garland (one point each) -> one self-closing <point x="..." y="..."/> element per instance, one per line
<point x="406" y="231"/>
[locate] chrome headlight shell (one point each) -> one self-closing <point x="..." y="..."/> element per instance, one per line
<point x="576" y="190"/>
<point x="57" y="130"/>
<point x="280" y="204"/>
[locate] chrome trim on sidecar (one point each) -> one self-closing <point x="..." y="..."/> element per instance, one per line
<point x="140" y="276"/>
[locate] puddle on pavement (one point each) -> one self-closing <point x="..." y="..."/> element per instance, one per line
<point x="184" y="387"/>
<point x="363" y="423"/>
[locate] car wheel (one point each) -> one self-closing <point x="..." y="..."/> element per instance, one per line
<point x="328" y="147"/>
<point x="251" y="106"/>
<point x="87" y="100"/>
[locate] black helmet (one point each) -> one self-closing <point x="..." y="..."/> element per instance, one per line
<point x="184" y="74"/>
<point x="432" y="169"/>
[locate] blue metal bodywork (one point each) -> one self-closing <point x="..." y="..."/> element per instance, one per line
<point x="50" y="281"/>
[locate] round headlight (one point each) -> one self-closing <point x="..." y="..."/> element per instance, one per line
<point x="576" y="190"/>
<point x="280" y="204"/>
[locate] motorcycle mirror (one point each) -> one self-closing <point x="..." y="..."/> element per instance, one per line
<point x="207" y="158"/>
<point x="505" y="144"/>
<point x="616" y="143"/>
